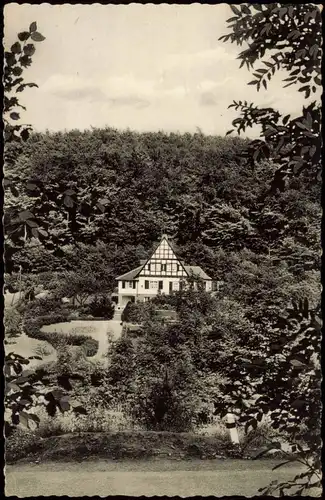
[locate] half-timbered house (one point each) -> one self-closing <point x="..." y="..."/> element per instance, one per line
<point x="163" y="272"/>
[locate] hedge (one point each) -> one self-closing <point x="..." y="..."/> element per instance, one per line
<point x="33" y="330"/>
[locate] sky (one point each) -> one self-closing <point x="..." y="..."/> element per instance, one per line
<point x="144" y="67"/>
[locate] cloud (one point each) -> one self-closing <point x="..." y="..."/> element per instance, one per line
<point x="207" y="99"/>
<point x="89" y="93"/>
<point x="133" y="101"/>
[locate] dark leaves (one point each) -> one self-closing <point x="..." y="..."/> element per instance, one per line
<point x="37" y="37"/>
<point x="29" y="49"/>
<point x="33" y="27"/>
<point x="14" y="116"/>
<point x="16" y="48"/>
<point x="23" y="36"/>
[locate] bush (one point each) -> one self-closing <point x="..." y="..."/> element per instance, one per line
<point x="33" y="330"/>
<point x="139" y="312"/>
<point x="21" y="443"/>
<point x="12" y="322"/>
<point x="44" y="306"/>
<point x="98" y="419"/>
<point x="162" y="410"/>
<point x="100" y="307"/>
<point x="90" y="346"/>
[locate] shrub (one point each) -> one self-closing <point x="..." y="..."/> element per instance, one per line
<point x="44" y="306"/>
<point x="21" y="443"/>
<point x="100" y="307"/>
<point x="162" y="410"/>
<point x="138" y="312"/>
<point x="90" y="346"/>
<point x="12" y="322"/>
<point x="33" y="330"/>
<point x="98" y="419"/>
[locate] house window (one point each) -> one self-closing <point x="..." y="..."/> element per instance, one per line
<point x="123" y="284"/>
<point x="177" y="267"/>
<point x="148" y="267"/>
<point x="131" y="284"/>
<point x="176" y="285"/>
<point x="154" y="284"/>
<point x="146" y="284"/>
<point x="161" y="285"/>
<point x="163" y="267"/>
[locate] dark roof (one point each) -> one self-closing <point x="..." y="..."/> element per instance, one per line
<point x="197" y="271"/>
<point x="130" y="275"/>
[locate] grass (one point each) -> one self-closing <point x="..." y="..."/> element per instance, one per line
<point x="146" y="477"/>
<point x="131" y="444"/>
<point x="94" y="328"/>
<point x="27" y="347"/>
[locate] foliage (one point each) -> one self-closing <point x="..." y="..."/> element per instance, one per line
<point x="33" y="330"/>
<point x="292" y="35"/>
<point x="12" y="322"/>
<point x="26" y="389"/>
<point x="20" y="443"/>
<point x="284" y="383"/>
<point x="284" y="379"/>
<point x="100" y="307"/>
<point x="138" y="312"/>
<point x="75" y="285"/>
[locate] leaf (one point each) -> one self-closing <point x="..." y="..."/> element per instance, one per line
<point x="24" y="134"/>
<point x="64" y="405"/>
<point x="79" y="410"/>
<point x="17" y="71"/>
<point x="235" y="10"/>
<point x="253" y="82"/>
<point x="68" y="201"/>
<point x="29" y="49"/>
<point x="43" y="232"/>
<point x="25" y="215"/>
<point x="69" y="192"/>
<point x="229" y="131"/>
<point x="23" y="36"/>
<point x="31" y="223"/>
<point x="35" y="232"/>
<point x="37" y="37"/>
<point x="33" y="27"/>
<point x="286" y="119"/>
<point x="14" y="116"/>
<point x="16" y="48"/>
<point x="23" y="419"/>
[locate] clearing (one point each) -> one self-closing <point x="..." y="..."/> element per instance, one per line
<point x="145" y="477"/>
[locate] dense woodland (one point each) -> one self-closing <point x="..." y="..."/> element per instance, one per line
<point x="131" y="187"/>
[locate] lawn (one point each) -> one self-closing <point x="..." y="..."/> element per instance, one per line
<point x="26" y="346"/>
<point x="150" y="477"/>
<point x="96" y="329"/>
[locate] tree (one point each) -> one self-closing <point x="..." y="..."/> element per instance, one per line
<point x="24" y="389"/>
<point x="283" y="381"/>
<point x="292" y="36"/>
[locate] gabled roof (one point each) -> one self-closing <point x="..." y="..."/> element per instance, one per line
<point x="197" y="271"/>
<point x="130" y="275"/>
<point x="190" y="270"/>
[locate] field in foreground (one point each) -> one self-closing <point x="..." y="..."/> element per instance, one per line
<point x="149" y="477"/>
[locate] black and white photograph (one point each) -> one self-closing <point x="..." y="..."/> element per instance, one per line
<point x="162" y="249"/>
